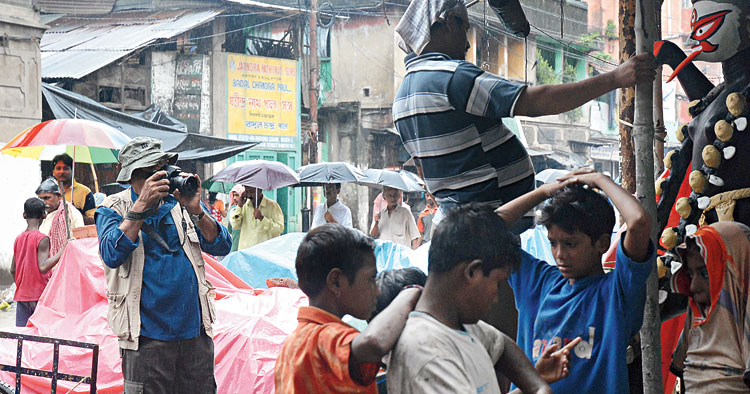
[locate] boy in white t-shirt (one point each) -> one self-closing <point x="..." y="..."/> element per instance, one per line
<point x="445" y="347"/>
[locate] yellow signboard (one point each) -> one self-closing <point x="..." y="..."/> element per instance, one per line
<point x="262" y="100"/>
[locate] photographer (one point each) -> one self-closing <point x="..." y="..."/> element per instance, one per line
<point x="160" y="303"/>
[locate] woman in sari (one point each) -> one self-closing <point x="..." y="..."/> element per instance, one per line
<point x="713" y="353"/>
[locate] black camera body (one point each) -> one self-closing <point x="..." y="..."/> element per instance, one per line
<point x="187" y="185"/>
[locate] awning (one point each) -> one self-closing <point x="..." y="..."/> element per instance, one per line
<point x="569" y="160"/>
<point x="342" y="6"/>
<point x="535" y="152"/>
<point x="74" y="46"/>
<point x="62" y="104"/>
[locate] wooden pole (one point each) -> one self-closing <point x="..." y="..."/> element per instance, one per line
<point x="660" y="132"/>
<point x="65" y="209"/>
<point x="627" y="96"/>
<point x="314" y="81"/>
<point x="643" y="136"/>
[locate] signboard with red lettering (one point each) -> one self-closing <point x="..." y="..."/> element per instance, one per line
<point x="262" y="101"/>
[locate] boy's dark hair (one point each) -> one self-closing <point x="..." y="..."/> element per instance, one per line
<point x="325" y="248"/>
<point x="391" y="282"/>
<point x="34" y="208"/>
<point x="576" y="207"/>
<point x="64" y="157"/>
<point x="473" y="231"/>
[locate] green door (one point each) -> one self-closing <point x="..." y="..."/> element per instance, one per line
<point x="289" y="198"/>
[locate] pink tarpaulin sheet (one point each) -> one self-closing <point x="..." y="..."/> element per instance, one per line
<point x="250" y="328"/>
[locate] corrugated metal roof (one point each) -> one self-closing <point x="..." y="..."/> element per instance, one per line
<point x="78" y="7"/>
<point x="75" y="47"/>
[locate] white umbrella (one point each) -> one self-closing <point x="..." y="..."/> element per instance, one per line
<point x="550" y="175"/>
<point x="395" y="179"/>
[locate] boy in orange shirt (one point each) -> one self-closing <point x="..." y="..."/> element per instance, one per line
<point x="336" y="269"/>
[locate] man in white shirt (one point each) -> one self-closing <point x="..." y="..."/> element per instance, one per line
<point x="49" y="192"/>
<point x="395" y="223"/>
<point x="333" y="211"/>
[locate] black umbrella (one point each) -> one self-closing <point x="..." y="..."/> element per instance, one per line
<point x="320" y="174"/>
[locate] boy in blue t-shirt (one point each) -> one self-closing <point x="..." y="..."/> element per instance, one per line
<point x="557" y="304"/>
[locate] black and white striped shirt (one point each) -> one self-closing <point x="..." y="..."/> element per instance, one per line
<point x="449" y="114"/>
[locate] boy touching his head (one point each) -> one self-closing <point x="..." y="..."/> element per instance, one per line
<point x="336" y="269"/>
<point x="445" y="347"/>
<point x="576" y="298"/>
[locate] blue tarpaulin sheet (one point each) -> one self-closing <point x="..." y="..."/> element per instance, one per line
<point x="275" y="259"/>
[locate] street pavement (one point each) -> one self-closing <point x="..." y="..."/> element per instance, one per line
<point x="8" y="317"/>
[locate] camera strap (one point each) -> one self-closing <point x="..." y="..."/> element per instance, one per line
<point x="153" y="234"/>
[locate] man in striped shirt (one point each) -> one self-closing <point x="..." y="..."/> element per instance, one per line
<point x="449" y="112"/>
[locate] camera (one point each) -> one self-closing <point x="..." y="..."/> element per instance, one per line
<point x="187" y="185"/>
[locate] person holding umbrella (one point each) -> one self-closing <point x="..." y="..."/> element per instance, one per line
<point x="234" y="200"/>
<point x="395" y="223"/>
<point x="258" y="221"/>
<point x="333" y="211"/>
<point x="151" y="239"/>
<point x="79" y="195"/>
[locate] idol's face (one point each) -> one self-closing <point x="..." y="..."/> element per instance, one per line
<point x="720" y="29"/>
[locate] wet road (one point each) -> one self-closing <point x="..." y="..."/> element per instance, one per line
<point x="8" y="317"/>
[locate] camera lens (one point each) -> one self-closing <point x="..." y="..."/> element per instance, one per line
<point x="186" y="185"/>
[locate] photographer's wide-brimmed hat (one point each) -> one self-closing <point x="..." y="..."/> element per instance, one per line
<point x="141" y="152"/>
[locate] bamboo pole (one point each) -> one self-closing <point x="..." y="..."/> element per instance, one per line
<point x="643" y="137"/>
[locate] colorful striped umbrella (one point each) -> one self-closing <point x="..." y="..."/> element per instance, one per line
<point x="84" y="140"/>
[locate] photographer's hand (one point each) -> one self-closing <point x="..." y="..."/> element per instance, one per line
<point x="208" y="226"/>
<point x="191" y="202"/>
<point x="154" y="189"/>
<point x="150" y="191"/>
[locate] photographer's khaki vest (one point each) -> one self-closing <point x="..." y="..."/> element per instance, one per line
<point x="124" y="282"/>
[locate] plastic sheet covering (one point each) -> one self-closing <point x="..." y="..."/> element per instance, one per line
<point x="64" y="104"/>
<point x="275" y="258"/>
<point x="250" y="329"/>
<point x="534" y="241"/>
<point x="270" y="259"/>
<point x="391" y="256"/>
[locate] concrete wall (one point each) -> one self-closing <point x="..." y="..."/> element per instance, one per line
<point x="20" y="107"/>
<point x="162" y="79"/>
<point x="218" y="77"/>
<point x="20" y="62"/>
<point x="363" y="56"/>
